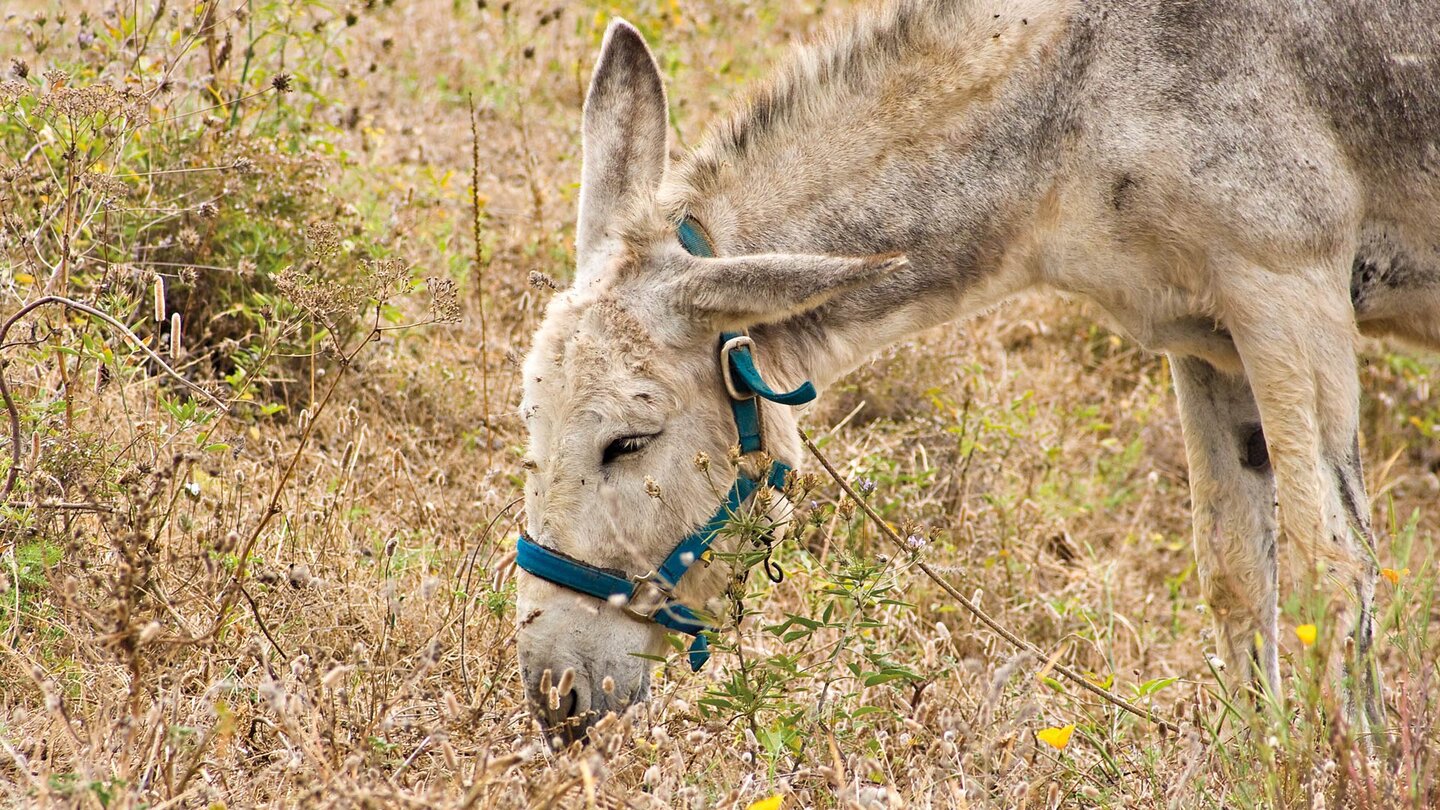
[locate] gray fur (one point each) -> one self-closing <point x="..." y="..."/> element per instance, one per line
<point x="1238" y="183"/>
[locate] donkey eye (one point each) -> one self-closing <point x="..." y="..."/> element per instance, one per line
<point x="625" y="445"/>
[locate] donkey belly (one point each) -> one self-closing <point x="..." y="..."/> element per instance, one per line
<point x="1395" y="285"/>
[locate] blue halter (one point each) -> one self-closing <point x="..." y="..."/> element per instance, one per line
<point x="650" y="597"/>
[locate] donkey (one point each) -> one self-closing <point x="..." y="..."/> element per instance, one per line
<point x="1244" y="185"/>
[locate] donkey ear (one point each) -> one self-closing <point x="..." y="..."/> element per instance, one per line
<point x="624" y="134"/>
<point x="744" y="291"/>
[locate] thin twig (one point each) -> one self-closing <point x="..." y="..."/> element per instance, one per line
<point x="467" y="570"/>
<point x="480" y="263"/>
<point x="255" y="611"/>
<point x="124" y="330"/>
<point x="976" y="611"/>
<point x="237" y="577"/>
<point x="66" y="506"/>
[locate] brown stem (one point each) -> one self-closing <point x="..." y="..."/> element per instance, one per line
<point x="124" y="330"/>
<point x="480" y="285"/>
<point x="237" y="578"/>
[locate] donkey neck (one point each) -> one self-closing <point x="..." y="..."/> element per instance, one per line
<point x="934" y="131"/>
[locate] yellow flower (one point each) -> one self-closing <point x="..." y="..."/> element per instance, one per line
<point x="772" y="803"/>
<point x="1306" y="634"/>
<point x="26" y="278"/>
<point x="1056" y="738"/>
<point x="1393" y="575"/>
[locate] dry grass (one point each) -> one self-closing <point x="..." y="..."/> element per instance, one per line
<point x="362" y="654"/>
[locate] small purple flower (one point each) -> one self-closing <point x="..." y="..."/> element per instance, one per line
<point x="866" y="486"/>
<point x="915" y="542"/>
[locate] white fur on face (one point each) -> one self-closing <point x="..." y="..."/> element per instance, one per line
<point x="610" y="363"/>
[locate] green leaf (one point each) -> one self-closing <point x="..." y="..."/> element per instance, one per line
<point x="1151" y="687"/>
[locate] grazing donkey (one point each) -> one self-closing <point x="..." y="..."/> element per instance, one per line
<point x="1237" y="183"/>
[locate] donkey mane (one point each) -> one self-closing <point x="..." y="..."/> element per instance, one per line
<point x="884" y="81"/>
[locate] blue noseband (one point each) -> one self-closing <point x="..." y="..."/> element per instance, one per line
<point x="650" y="597"/>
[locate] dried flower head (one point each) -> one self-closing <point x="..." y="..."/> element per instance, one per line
<point x="244" y="165"/>
<point x="10" y="92"/>
<point x="540" y="281"/>
<point x="281" y="83"/>
<point x="651" y="487"/>
<point x="105" y="186"/>
<point x="384" y="279"/>
<point x="323" y="239"/>
<point x="18" y="68"/>
<point x="763" y="498"/>
<point x="444" y="300"/>
<point x="316" y="299"/>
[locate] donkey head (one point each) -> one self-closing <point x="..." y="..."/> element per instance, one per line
<point x="623" y="391"/>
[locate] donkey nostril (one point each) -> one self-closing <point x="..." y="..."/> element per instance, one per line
<point x="568" y="703"/>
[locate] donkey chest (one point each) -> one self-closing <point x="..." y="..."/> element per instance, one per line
<point x="1154" y="304"/>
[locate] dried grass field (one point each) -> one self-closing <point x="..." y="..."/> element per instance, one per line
<point x="266" y="270"/>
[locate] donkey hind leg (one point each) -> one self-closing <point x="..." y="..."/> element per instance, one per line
<point x="1232" y="493"/>
<point x="1296" y="340"/>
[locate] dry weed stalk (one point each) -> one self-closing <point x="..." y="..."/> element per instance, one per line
<point x="974" y="609"/>
<point x="135" y="340"/>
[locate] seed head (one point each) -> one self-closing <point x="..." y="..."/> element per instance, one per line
<point x="324" y="239"/>
<point x="10" y="91"/>
<point x="444" y="300"/>
<point x="176" y="347"/>
<point x="300" y="576"/>
<point x="281" y="83"/>
<point x="18" y="68"/>
<point x="652" y="488"/>
<point x="150" y="633"/>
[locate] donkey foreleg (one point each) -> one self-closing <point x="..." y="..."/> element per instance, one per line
<point x="1232" y="495"/>
<point x="1295" y="334"/>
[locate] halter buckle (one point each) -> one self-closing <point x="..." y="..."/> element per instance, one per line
<point x="648" y="597"/>
<point x="737" y="342"/>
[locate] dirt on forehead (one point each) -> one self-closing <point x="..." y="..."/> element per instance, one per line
<point x="593" y="332"/>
